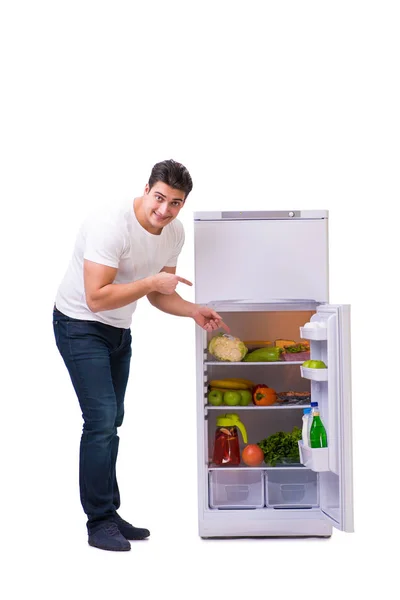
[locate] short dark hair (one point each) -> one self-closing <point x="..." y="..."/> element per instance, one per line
<point x="173" y="174"/>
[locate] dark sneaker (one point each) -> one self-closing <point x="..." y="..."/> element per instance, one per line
<point x="129" y="531"/>
<point x="108" y="537"/>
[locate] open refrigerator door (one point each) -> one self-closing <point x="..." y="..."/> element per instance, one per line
<point x="329" y="334"/>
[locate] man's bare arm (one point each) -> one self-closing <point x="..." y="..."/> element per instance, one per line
<point x="172" y="304"/>
<point x="102" y="294"/>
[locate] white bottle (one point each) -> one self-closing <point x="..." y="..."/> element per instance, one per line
<point x="305" y="435"/>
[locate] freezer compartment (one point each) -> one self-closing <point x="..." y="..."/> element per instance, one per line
<point x="268" y="258"/>
<point x="233" y="488"/>
<point x="316" y="459"/>
<point x="286" y="488"/>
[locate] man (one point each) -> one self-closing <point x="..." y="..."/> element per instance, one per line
<point x="120" y="256"/>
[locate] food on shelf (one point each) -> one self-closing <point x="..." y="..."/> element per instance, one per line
<point x="264" y="355"/>
<point x="252" y="455"/>
<point x="295" y="357"/>
<point x="221" y="389"/>
<point x="226" y="445"/>
<point x="229" y="396"/>
<point x="249" y="383"/>
<point x="296" y="352"/>
<point x="227" y="348"/>
<point x="314" y="364"/>
<point x="293" y="397"/>
<point x="295" y="348"/>
<point x="263" y="395"/>
<point x="232" y="398"/>
<point x="242" y="389"/>
<point x="283" y="343"/>
<point x="245" y="397"/>
<point x="281" y="447"/>
<point x="255" y="344"/>
<point x="229" y="384"/>
<point x="215" y="397"/>
<point x="241" y="397"/>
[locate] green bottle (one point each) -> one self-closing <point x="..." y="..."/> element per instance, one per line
<point x="317" y="432"/>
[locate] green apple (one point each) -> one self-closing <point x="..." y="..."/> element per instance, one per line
<point x="245" y="397"/>
<point x="232" y="398"/>
<point x="306" y="363"/>
<point x="317" y="364"/>
<point x="215" y="397"/>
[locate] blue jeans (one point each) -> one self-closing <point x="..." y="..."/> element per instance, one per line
<point x="97" y="357"/>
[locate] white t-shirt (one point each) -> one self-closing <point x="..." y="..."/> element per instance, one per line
<point x="114" y="237"/>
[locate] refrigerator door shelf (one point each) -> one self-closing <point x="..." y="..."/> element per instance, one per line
<point x="316" y="459"/>
<point x="308" y="333"/>
<point x="314" y="374"/>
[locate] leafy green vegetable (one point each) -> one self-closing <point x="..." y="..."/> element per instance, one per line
<point x="281" y="445"/>
<point x="294" y="348"/>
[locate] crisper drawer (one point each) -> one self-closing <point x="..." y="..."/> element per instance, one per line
<point x="236" y="489"/>
<point x="291" y="487"/>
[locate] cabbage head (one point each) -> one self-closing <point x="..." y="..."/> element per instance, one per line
<point x="228" y="348"/>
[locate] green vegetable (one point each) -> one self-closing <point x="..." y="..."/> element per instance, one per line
<point x="281" y="445"/>
<point x="264" y="355"/>
<point x="297" y="348"/>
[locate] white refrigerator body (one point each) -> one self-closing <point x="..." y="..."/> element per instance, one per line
<point x="216" y="272"/>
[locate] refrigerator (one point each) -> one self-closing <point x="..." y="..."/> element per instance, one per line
<point x="267" y="274"/>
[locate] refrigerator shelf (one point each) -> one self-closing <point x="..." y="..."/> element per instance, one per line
<point x="222" y="363"/>
<point x="278" y="467"/>
<point x="225" y="407"/>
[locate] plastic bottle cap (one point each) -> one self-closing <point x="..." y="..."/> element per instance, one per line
<point x="306" y="411"/>
<point x="314" y="403"/>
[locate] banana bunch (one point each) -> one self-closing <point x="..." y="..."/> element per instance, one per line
<point x="233" y="383"/>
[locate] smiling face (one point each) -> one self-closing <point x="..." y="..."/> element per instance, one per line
<point x="159" y="206"/>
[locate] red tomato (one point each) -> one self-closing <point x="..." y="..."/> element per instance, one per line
<point x="252" y="455"/>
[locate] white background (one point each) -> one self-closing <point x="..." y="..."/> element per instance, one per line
<point x="270" y="105"/>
